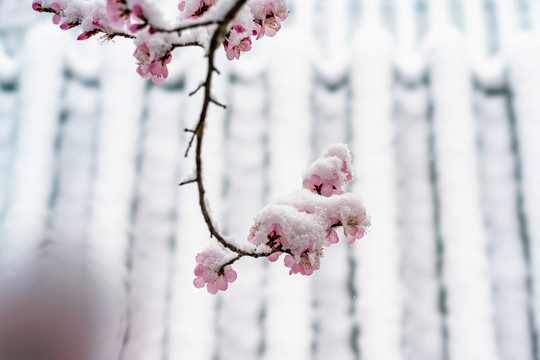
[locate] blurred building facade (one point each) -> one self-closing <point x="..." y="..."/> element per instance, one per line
<point x="438" y="101"/>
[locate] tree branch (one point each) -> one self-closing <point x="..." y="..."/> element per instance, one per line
<point x="217" y="37"/>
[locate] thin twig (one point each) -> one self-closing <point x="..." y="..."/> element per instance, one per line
<point x="187" y="182"/>
<point x="192" y="43"/>
<point x="218" y="103"/>
<point x="181" y="28"/>
<point x="196" y="90"/>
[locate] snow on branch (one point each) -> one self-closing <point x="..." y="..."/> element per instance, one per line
<point x="297" y="226"/>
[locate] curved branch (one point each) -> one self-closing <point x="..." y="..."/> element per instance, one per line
<point x="217" y="38"/>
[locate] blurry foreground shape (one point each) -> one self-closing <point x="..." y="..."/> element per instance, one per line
<point x="50" y="309"/>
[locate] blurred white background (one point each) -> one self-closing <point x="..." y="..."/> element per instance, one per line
<point x="439" y="103"/>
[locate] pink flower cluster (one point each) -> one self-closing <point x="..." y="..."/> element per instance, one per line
<point x="301" y="224"/>
<point x="262" y="17"/>
<point x="128" y="17"/>
<point x="327" y="175"/>
<point x="266" y="21"/>
<point x="305" y="222"/>
<point x="59" y="17"/>
<point x="150" y="64"/>
<point x="212" y="272"/>
<point x="120" y="15"/>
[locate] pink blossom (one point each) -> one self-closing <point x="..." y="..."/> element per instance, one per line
<point x="238" y="28"/>
<point x="270" y="23"/>
<point x="149" y="66"/>
<point x="274" y="256"/>
<point x="233" y="51"/>
<point x="331" y="238"/>
<point x="236" y="41"/>
<point x="252" y="231"/>
<point x="348" y="173"/>
<point x="98" y="24"/>
<point x="56" y="6"/>
<point x="56" y="17"/>
<point x="182" y="6"/>
<point x="137" y="21"/>
<point x="87" y="34"/>
<point x="68" y="25"/>
<point x="341" y="152"/>
<point x="275" y="237"/>
<point x="198" y="10"/>
<point x="159" y="72"/>
<point x="211" y="273"/>
<point x="354" y="226"/>
<point x="37" y="6"/>
<point x="138" y="12"/>
<point x="117" y="13"/>
<point x="143" y="56"/>
<point x="324" y="187"/>
<point x="305" y="264"/>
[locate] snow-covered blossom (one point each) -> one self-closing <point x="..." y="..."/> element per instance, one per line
<point x="354" y="221"/>
<point x="299" y="225"/>
<point x="268" y="18"/>
<point x="327" y="175"/>
<point x="117" y="12"/>
<point x="305" y="263"/>
<point x="236" y="43"/>
<point x="324" y="187"/>
<point x="150" y="65"/>
<point x="137" y="19"/>
<point x="56" y="17"/>
<point x="331" y="238"/>
<point x="195" y="8"/>
<point x="211" y="272"/>
<point x="127" y="18"/>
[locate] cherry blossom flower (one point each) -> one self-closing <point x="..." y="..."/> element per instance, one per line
<point x="150" y="66"/>
<point x="274" y="256"/>
<point x="137" y="21"/>
<point x="306" y="263"/>
<point x="327" y="175"/>
<point x="195" y="9"/>
<point x="211" y="272"/>
<point x="274" y="239"/>
<point x="331" y="238"/>
<point x="275" y="236"/>
<point x="324" y="187"/>
<point x="182" y="6"/>
<point x="57" y="17"/>
<point x="354" y="225"/>
<point x="66" y="25"/>
<point x="37" y="6"/>
<point x="236" y="42"/>
<point x="270" y="20"/>
<point x="55" y="8"/>
<point x="117" y="13"/>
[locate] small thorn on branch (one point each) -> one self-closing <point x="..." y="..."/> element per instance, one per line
<point x="190" y="144"/>
<point x="189" y="130"/>
<point x="190" y="181"/>
<point x="218" y="103"/>
<point x="197" y="89"/>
